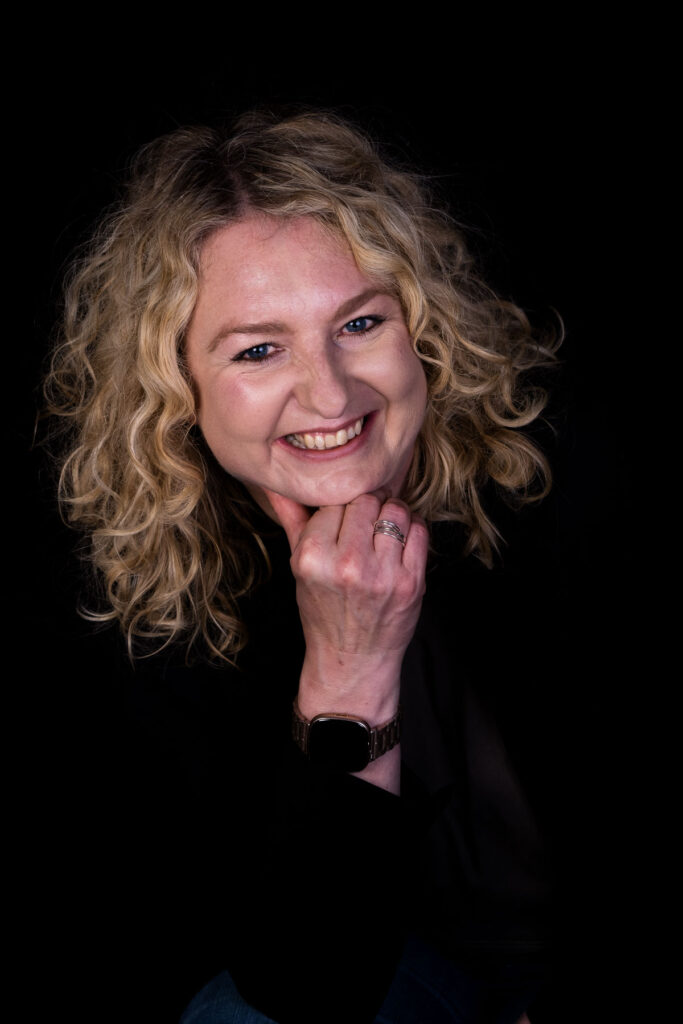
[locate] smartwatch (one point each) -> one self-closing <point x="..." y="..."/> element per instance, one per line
<point x="342" y="742"/>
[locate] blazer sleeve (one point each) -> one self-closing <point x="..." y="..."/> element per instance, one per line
<point x="308" y="875"/>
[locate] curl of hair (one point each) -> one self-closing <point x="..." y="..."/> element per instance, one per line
<point x="171" y="533"/>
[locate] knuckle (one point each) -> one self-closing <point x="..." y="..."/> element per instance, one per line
<point x="405" y="588"/>
<point x="378" y="587"/>
<point x="350" y="570"/>
<point x="309" y="558"/>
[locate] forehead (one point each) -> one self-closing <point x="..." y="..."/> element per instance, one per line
<point x="262" y="264"/>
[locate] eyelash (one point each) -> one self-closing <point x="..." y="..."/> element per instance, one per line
<point x="375" y="321"/>
<point x="244" y="356"/>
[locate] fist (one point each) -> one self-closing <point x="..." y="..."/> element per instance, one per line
<point x="359" y="592"/>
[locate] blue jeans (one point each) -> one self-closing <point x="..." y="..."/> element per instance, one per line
<point x="219" y="1002"/>
<point x="427" y="989"/>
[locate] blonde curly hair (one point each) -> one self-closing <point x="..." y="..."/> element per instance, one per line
<point x="172" y="535"/>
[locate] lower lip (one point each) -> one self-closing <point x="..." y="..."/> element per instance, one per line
<point x="326" y="454"/>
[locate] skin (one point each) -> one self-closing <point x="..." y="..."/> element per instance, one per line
<point x="289" y="337"/>
<point x="289" y="291"/>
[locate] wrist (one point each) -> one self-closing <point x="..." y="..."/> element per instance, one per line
<point x="365" y="687"/>
<point x="343" y="742"/>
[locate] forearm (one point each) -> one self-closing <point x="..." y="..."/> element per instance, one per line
<point x="365" y="688"/>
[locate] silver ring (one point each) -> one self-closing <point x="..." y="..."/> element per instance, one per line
<point x="389" y="529"/>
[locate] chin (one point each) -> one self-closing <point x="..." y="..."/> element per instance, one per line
<point x="320" y="498"/>
<point x="333" y="491"/>
<point x="341" y="494"/>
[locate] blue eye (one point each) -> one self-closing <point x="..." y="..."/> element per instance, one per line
<point x="362" y="324"/>
<point x="255" y="354"/>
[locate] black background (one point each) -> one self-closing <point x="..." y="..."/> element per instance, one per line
<point x="533" y="148"/>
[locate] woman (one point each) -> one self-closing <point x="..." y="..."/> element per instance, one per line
<point x="275" y="329"/>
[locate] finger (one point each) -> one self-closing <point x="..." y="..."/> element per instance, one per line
<point x="392" y="527"/>
<point x="292" y="516"/>
<point x="356" y="527"/>
<point x="417" y="546"/>
<point x="382" y="495"/>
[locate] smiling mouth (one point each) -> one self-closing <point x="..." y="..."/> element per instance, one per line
<point x="322" y="441"/>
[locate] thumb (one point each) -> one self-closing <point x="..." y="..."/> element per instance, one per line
<point x="291" y="516"/>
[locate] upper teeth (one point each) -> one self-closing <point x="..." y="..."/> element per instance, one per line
<point x="320" y="440"/>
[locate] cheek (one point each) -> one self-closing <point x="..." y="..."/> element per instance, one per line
<point x="398" y="373"/>
<point x="236" y="413"/>
<point x="415" y="383"/>
<point x="417" y="401"/>
<point x="216" y="420"/>
<point x="420" y="378"/>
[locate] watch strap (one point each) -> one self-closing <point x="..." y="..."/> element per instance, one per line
<point x="382" y="737"/>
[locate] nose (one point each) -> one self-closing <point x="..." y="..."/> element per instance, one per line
<point x="323" y="386"/>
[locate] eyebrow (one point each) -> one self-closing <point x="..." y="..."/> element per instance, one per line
<point x="279" y="327"/>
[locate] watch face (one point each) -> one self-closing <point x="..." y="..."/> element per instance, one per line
<point x="339" y="743"/>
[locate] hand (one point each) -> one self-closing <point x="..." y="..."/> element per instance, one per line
<point x="359" y="598"/>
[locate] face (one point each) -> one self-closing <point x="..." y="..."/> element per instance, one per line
<point x="306" y="378"/>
